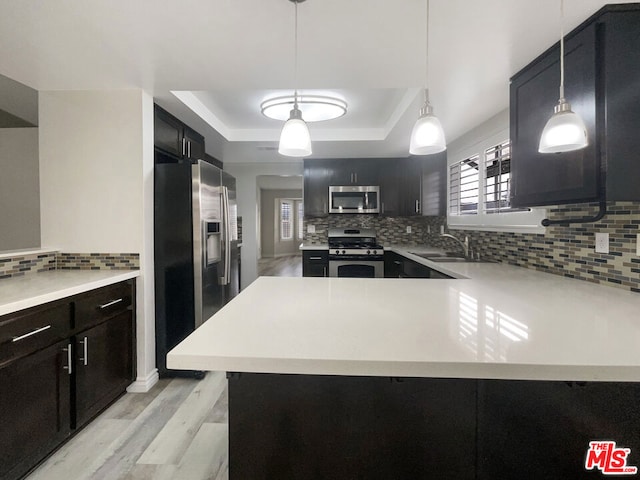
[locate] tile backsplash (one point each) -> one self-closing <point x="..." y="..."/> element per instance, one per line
<point x="566" y="250"/>
<point x="23" y="264"/>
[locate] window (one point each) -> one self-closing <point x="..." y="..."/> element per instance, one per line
<point x="480" y="182"/>
<point x="464" y="186"/>
<point x="286" y="219"/>
<point x="497" y="179"/>
<point x="300" y="220"/>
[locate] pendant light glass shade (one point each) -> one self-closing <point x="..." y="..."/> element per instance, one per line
<point x="295" y="140"/>
<point x="564" y="132"/>
<point x="427" y="136"/>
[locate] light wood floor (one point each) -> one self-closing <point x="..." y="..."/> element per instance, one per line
<point x="177" y="431"/>
<point x="286" y="266"/>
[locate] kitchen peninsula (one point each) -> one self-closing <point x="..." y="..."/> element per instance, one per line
<point x="501" y="372"/>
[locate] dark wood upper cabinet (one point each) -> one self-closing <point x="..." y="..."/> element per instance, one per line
<point x="355" y="171"/>
<point x="602" y="71"/>
<point x="175" y="139"/>
<point x="408" y="186"/>
<point x="317" y="179"/>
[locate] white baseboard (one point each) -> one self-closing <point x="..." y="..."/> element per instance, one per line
<point x="144" y="384"/>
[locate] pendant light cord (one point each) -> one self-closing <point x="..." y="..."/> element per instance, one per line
<point x="561" y="49"/>
<point x="295" y="60"/>
<point x="426" y="69"/>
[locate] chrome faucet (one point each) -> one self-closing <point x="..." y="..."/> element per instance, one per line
<point x="464" y="245"/>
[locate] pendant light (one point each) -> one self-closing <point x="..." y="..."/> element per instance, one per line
<point x="427" y="136"/>
<point x="565" y="131"/>
<point x="295" y="140"/>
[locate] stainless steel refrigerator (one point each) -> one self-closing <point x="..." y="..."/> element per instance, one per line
<point x="196" y="250"/>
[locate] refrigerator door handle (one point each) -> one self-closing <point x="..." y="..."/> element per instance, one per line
<point x="227" y="237"/>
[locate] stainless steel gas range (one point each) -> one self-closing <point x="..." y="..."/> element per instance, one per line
<point x="355" y="252"/>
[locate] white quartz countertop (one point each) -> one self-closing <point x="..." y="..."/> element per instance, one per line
<point x="492" y="321"/>
<point x="27" y="291"/>
<point x="314" y="247"/>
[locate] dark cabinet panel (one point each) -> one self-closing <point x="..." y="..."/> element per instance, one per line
<point x="602" y="73"/>
<point x="411" y="186"/>
<point x="194" y="144"/>
<point x="355" y="171"/>
<point x="315" y="263"/>
<point x="434" y="185"/>
<point x="344" y="428"/>
<point x="34" y="408"/>
<point x="174" y="139"/>
<point x="104" y="365"/>
<point x="545" y="179"/>
<point x="393" y="265"/>
<point x="168" y="133"/>
<point x="391" y="186"/>
<point x="317" y="179"/>
<point x="534" y="430"/>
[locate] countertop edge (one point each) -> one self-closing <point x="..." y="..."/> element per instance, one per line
<point x="67" y="291"/>
<point x="487" y="371"/>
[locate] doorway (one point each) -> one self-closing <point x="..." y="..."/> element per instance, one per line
<point x="281" y="214"/>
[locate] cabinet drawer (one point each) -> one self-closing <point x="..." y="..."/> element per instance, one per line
<point x="25" y="332"/>
<point x="101" y="304"/>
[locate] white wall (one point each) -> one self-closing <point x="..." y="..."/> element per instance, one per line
<point x="248" y="201"/>
<point x="19" y="184"/>
<point x="96" y="171"/>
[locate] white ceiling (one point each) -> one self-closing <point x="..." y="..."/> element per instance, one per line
<point x="233" y="53"/>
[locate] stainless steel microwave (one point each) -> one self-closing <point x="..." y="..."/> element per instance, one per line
<point x="354" y="199"/>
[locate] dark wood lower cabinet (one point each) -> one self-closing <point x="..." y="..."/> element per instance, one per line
<point x="104" y="366"/>
<point x="318" y="427"/>
<point x="341" y="427"/>
<point x="34" y="407"/>
<point x="61" y="364"/>
<point x="535" y="430"/>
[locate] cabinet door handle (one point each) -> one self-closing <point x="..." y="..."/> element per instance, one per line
<point x="85" y="351"/>
<point x="382" y="205"/>
<point x="26" y="335"/>
<point x="324" y="271"/>
<point x="69" y="368"/>
<point x="108" y="304"/>
<point x="417" y="206"/>
<point x="315" y="258"/>
<point x="189" y="149"/>
<point x="184" y="144"/>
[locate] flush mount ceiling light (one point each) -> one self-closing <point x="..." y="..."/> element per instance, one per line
<point x="295" y="140"/>
<point x="427" y="136"/>
<point x="314" y="108"/>
<point x="565" y="131"/>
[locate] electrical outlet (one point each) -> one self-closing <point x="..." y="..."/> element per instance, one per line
<point x="428" y="228"/>
<point x="408" y="228"/>
<point x="602" y="242"/>
<point x="311" y="229"/>
<point x="638" y="244"/>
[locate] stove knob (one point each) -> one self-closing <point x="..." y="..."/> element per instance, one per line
<point x="368" y="252"/>
<point x="375" y="252"/>
<point x="343" y="252"/>
<point x="337" y="252"/>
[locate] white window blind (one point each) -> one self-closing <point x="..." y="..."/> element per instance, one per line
<point x="300" y="220"/>
<point x="464" y="187"/>
<point x="286" y="220"/>
<point x="497" y="179"/>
